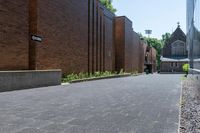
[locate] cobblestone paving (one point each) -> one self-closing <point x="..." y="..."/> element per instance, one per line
<point x="143" y="104"/>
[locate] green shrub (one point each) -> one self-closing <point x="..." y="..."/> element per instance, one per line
<point x="71" y="77"/>
<point x="134" y="72"/>
<point x="108" y="5"/>
<point x="186" y="68"/>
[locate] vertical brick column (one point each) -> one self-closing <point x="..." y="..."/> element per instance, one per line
<point x="33" y="19"/>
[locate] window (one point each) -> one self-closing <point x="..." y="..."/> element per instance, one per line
<point x="172" y="64"/>
<point x="178" y="48"/>
<point x="176" y="64"/>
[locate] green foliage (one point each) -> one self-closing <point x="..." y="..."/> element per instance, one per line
<point x="71" y="77"/>
<point x="165" y="38"/>
<point x="186" y="68"/>
<point x="158" y="45"/>
<point x="121" y="71"/>
<point x="134" y="72"/>
<point x="108" y="5"/>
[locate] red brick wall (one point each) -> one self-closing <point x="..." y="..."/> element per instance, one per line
<point x="136" y="52"/>
<point x="109" y="41"/>
<point x="124" y="44"/>
<point x="78" y="36"/>
<point x="119" y="44"/>
<point x="101" y="38"/>
<point x="142" y="51"/>
<point x="14" y="34"/>
<point x="130" y="50"/>
<point x="153" y="56"/>
<point x="129" y="47"/>
<point x="65" y="33"/>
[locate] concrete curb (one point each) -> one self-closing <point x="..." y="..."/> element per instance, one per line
<point x="180" y="107"/>
<point x="101" y="78"/>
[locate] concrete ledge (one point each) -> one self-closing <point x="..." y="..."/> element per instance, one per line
<point x="195" y="73"/>
<point x="18" y="80"/>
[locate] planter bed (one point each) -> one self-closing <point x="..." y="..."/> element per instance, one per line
<point x="103" y="77"/>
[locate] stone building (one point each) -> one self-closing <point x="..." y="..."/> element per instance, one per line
<point x="174" y="53"/>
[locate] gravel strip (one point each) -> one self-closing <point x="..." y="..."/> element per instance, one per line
<point x="190" y="106"/>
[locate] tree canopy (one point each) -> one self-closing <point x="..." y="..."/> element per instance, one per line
<point x="165" y="37"/>
<point x="108" y="5"/>
<point x="158" y="44"/>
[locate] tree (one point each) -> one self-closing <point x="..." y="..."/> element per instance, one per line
<point x="108" y="5"/>
<point x="158" y="45"/>
<point x="165" y="38"/>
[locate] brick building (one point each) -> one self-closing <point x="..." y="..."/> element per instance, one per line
<point x="150" y="60"/>
<point x="174" y="53"/>
<point x="75" y="36"/>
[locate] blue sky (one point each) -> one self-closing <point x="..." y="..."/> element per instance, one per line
<point x="160" y="16"/>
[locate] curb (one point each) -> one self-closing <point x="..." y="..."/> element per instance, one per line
<point x="180" y="107"/>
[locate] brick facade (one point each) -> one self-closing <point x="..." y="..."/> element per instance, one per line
<point x="169" y="67"/>
<point x="124" y="44"/>
<point x="14" y="39"/>
<point x="72" y="40"/>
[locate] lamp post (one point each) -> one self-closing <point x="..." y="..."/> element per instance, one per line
<point x="148" y="32"/>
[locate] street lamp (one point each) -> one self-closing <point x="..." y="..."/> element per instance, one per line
<point x="148" y="32"/>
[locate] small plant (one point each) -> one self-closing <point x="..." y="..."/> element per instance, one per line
<point x="71" y="77"/>
<point x="186" y="69"/>
<point x="134" y="72"/>
<point x="108" y="5"/>
<point x="121" y="71"/>
<point x="97" y="74"/>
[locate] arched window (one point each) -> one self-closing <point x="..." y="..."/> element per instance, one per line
<point x="178" y="48"/>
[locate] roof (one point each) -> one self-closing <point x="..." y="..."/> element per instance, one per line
<point x="178" y="34"/>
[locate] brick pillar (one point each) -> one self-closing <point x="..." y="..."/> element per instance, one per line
<point x="32" y="31"/>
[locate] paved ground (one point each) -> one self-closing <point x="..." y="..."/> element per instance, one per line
<point x="143" y="104"/>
